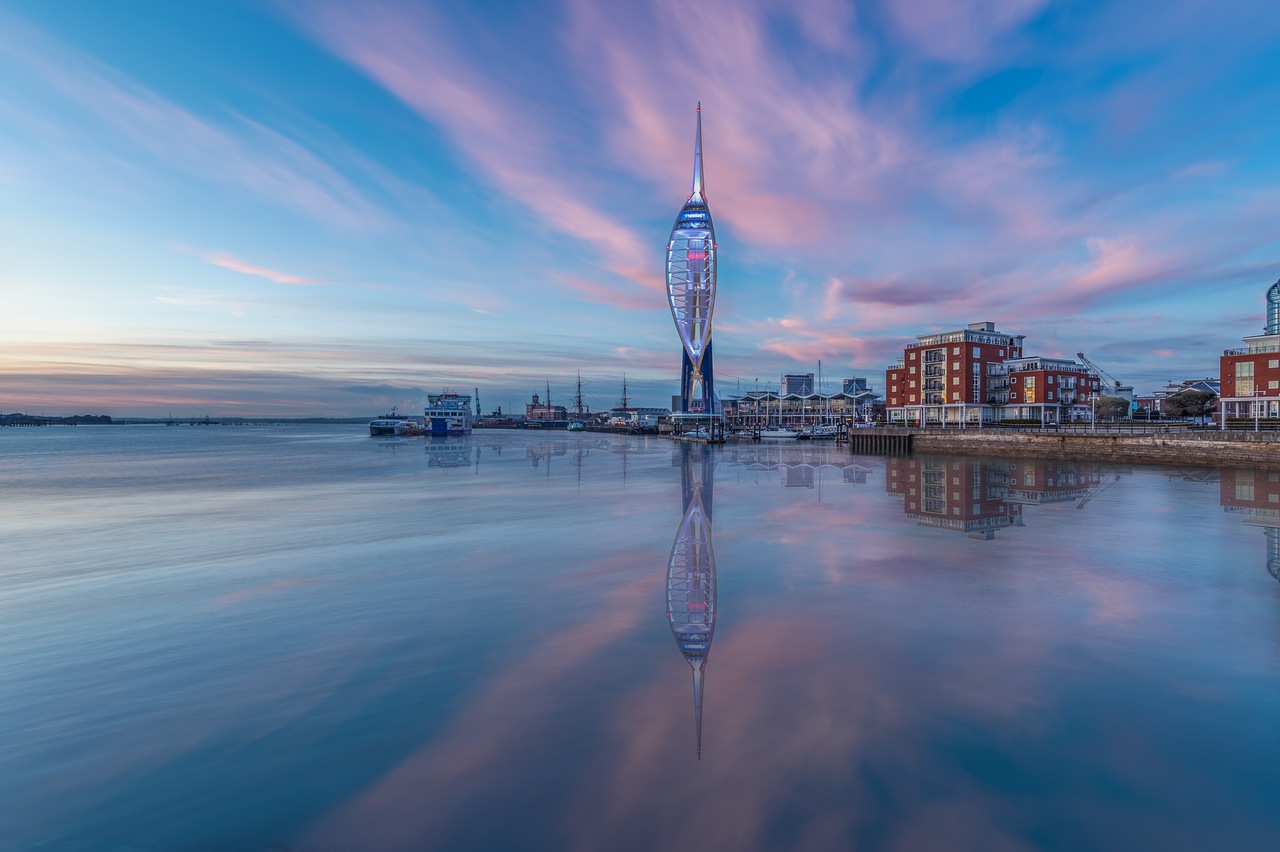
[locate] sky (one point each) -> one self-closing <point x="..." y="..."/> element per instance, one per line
<point x="330" y="208"/>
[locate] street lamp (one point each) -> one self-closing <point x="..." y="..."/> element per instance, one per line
<point x="1094" y="417"/>
<point x="1257" y="394"/>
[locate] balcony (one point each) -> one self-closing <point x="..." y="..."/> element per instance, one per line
<point x="1253" y="350"/>
<point x="932" y="372"/>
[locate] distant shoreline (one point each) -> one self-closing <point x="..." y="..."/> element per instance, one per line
<point x="35" y="420"/>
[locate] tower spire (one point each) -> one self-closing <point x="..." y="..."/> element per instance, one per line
<point x="697" y="195"/>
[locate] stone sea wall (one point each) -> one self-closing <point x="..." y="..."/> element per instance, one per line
<point x="1221" y="449"/>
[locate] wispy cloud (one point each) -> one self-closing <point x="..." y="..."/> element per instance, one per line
<point x="227" y="261"/>
<point x="258" y="159"/>
<point x="414" y="55"/>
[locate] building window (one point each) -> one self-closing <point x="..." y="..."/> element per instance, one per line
<point x="977" y="353"/>
<point x="1015" y="379"/>
<point x="911" y="383"/>
<point x="955" y="365"/>
<point x="1001" y="353"/>
<point x="1050" y="394"/>
<point x="911" y="370"/>
<point x="1244" y="378"/>
<point x="1273" y="363"/>
<point x="1049" y="380"/>
<point x="955" y="350"/>
<point x="955" y="380"/>
<point x="1273" y="385"/>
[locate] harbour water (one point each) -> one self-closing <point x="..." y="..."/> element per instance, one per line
<point x="300" y="637"/>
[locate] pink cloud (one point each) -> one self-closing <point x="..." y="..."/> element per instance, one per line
<point x="226" y="261"/>
<point x="413" y="56"/>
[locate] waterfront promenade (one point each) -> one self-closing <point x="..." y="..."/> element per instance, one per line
<point x="1153" y="444"/>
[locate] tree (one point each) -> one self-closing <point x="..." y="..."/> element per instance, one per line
<point x="1189" y="403"/>
<point x="1111" y="407"/>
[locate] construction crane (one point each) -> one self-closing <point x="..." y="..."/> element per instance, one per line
<point x="1099" y="372"/>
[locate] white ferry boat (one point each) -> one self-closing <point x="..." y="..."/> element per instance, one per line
<point x="395" y="424"/>
<point x="448" y="413"/>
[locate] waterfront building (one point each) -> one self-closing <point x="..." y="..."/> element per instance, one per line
<point x="1157" y="405"/>
<point x="1050" y="390"/>
<point x="536" y="410"/>
<point x="954" y="377"/>
<point x="979" y="375"/>
<point x="691" y="291"/>
<point x="1250" y="375"/>
<point x="761" y="407"/>
<point x="798" y="384"/>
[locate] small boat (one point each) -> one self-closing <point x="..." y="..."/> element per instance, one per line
<point x="826" y="431"/>
<point x="775" y="433"/>
<point x="576" y="426"/>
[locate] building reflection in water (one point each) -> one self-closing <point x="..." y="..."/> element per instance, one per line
<point x="1256" y="495"/>
<point x="979" y="497"/>
<point x="691" y="571"/>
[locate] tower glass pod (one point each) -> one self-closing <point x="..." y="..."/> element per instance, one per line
<point x="691" y="290"/>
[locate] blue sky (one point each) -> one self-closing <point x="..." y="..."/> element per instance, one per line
<point x="329" y="208"/>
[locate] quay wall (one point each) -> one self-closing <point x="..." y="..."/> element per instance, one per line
<point x="1210" y="449"/>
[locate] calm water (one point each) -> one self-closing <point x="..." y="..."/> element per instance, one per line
<point x="305" y="638"/>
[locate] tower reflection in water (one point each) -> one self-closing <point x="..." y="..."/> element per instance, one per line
<point x="691" y="571"/>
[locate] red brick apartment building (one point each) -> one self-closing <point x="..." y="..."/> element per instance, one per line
<point x="1250" y="375"/>
<point x="978" y="375"/>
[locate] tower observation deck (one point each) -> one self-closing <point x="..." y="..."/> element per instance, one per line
<point x="691" y="291"/>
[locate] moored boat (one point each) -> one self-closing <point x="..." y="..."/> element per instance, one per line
<point x="386" y="425"/>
